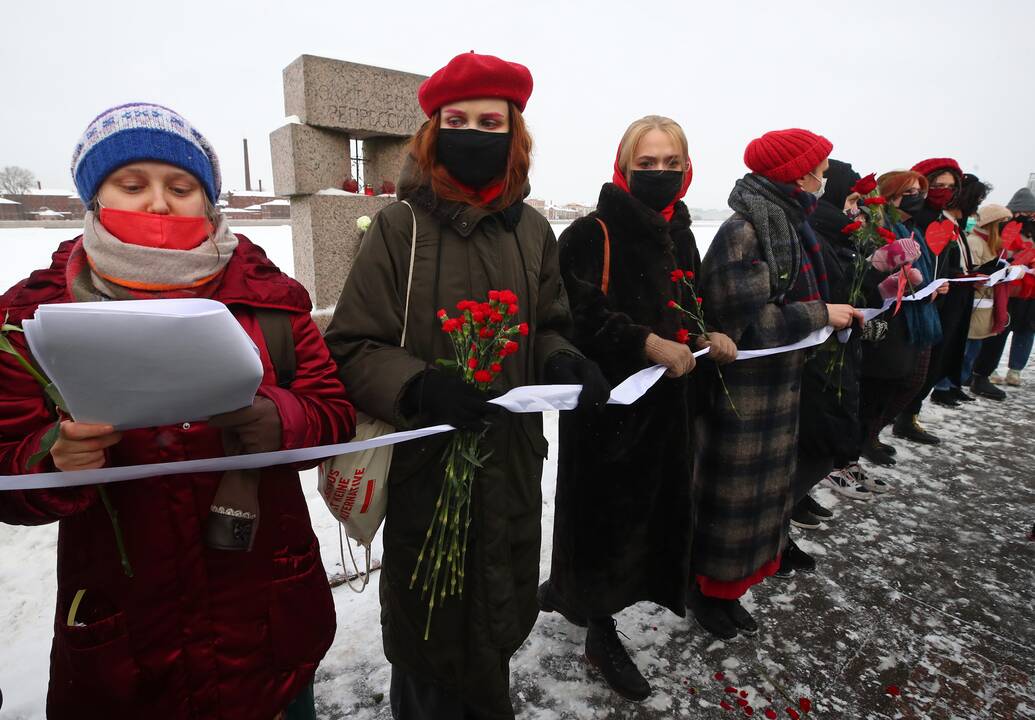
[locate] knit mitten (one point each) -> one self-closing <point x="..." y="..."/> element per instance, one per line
<point x="896" y="254"/>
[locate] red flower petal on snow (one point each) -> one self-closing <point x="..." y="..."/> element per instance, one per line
<point x="743" y="693"/>
<point x="793" y="713"/>
<point x="893" y="690"/>
<point x="725" y="705"/>
<point x="731" y="690"/>
<point x="742" y="702"/>
<point x="770" y="713"/>
<point x="749" y="711"/>
<point x="805" y="704"/>
<point x="719" y="676"/>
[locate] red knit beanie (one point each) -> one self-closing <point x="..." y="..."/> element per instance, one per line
<point x="932" y="165"/>
<point x="470" y="76"/>
<point x="786" y="155"/>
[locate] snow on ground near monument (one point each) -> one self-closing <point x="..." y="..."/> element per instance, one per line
<point x="927" y="588"/>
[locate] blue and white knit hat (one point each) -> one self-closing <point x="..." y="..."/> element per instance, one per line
<point x="142" y="131"/>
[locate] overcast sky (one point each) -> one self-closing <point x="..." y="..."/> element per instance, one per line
<point x="889" y="83"/>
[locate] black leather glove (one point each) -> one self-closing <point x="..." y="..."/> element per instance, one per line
<point x="446" y="399"/>
<point x="564" y="369"/>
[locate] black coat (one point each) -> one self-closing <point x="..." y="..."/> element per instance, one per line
<point x="622" y="522"/>
<point x="829" y="422"/>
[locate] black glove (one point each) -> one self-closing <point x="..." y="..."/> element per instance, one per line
<point x="565" y="369"/>
<point x="446" y="399"/>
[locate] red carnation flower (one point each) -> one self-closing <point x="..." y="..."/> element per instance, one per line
<point x="472" y="363"/>
<point x="725" y="705"/>
<point x="749" y="711"/>
<point x="731" y="690"/>
<point x="483" y="376"/>
<point x="510" y="347"/>
<point x="720" y="675"/>
<point x="770" y="713"/>
<point x="495" y="317"/>
<point x="478" y="317"/>
<point x="742" y="702"/>
<point x="744" y="693"/>
<point x="494" y="295"/>
<point x="523" y="328"/>
<point x="893" y="690"/>
<point x="496" y="368"/>
<point x="682" y="335"/>
<point x="886" y="234"/>
<point x="676" y="275"/>
<point x="866" y="185"/>
<point x="805" y="704"/>
<point x="793" y="713"/>
<point x="851" y="227"/>
<point x="485" y="333"/>
<point x="442" y="314"/>
<point x="673" y="304"/>
<point x="879" y="200"/>
<point x="700" y="301"/>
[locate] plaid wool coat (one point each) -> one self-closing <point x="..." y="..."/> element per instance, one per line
<point x="746" y="457"/>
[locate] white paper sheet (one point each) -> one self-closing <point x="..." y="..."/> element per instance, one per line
<point x="144" y="363"/>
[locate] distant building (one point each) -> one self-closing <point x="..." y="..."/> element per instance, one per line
<point x="555" y="213"/>
<point x="48" y="204"/>
<point x="11" y="210"/>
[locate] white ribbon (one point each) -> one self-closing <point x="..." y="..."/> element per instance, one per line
<point x="526" y="399"/>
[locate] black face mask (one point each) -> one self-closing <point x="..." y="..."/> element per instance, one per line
<point x="912" y="204"/>
<point x="656" y="188"/>
<point x="474" y="157"/>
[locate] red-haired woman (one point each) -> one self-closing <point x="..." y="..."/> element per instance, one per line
<point x="465" y="181"/>
<point x="895" y="369"/>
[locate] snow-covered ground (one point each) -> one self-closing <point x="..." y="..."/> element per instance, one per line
<point x="927" y="588"/>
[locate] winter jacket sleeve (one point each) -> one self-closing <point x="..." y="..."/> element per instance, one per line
<point x="603" y="333"/>
<point x="365" y="331"/>
<point x="736" y="291"/>
<point x="553" y="321"/>
<point x="315" y="410"/>
<point x="24" y="419"/>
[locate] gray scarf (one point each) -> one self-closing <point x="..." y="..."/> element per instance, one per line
<point x="774" y="216"/>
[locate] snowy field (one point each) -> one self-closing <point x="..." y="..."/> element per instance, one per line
<point x="927" y="588"/>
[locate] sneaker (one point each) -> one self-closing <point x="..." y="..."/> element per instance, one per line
<point x="795" y="559"/>
<point x="945" y="398"/>
<point x="844" y="484"/>
<point x="740" y="617"/>
<point x="997" y="379"/>
<point x="1013" y="377"/>
<point x="550" y="601"/>
<point x="605" y="652"/>
<point x="961" y="396"/>
<point x="874" y="485"/>
<point x="815" y="508"/>
<point x="710" y="613"/>
<point x="908" y="427"/>
<point x="875" y="455"/>
<point x="981" y="386"/>
<point x="802" y="518"/>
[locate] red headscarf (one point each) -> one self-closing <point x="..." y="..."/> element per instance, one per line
<point x="619" y="179"/>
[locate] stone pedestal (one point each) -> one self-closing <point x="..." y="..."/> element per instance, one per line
<point x="334" y="102"/>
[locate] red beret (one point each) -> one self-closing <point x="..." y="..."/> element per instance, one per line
<point x="470" y="76"/>
<point x="928" y="167"/>
<point x="786" y="155"/>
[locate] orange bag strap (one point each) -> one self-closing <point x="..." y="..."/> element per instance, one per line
<point x="605" y="278"/>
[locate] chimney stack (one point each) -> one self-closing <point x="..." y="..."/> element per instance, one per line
<point x="247" y="169"/>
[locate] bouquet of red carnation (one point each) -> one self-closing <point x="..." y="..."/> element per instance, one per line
<point x="696" y="315"/>
<point x="483" y="335"/>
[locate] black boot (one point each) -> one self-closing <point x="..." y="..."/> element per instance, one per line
<point x="550" y="601"/>
<point x="982" y="386"/>
<point x="741" y="617"/>
<point x="605" y="652"/>
<point x="960" y="396"/>
<point x="794" y="558"/>
<point x="711" y="614"/>
<point x="889" y="449"/>
<point x="815" y="508"/>
<point x="908" y="427"/>
<point x="876" y="455"/>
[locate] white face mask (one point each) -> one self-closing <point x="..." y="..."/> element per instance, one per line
<point x="822" y="186"/>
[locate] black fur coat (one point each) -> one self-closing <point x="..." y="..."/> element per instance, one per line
<point x="622" y="524"/>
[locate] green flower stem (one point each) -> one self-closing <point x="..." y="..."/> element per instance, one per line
<point x="114" y="515"/>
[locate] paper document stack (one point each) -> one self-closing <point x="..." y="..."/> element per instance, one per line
<point x="144" y="363"/>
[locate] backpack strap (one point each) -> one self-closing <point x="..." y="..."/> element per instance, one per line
<point x="280" y="343"/>
<point x="605" y="276"/>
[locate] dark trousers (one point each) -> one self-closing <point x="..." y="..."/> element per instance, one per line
<point x="991" y="352"/>
<point x="947" y="356"/>
<point x="413" y="698"/>
<point x="881" y="400"/>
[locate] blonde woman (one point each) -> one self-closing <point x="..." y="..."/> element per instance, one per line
<point x="624" y="474"/>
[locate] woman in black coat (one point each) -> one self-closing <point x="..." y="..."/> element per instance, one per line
<point x="622" y="523"/>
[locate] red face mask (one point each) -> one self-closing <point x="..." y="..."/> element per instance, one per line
<point x="167" y="232"/>
<point x="938" y="198"/>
